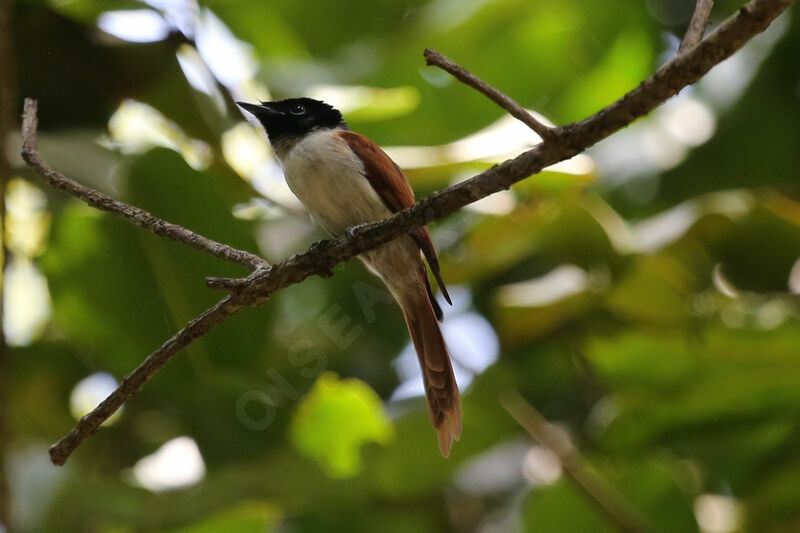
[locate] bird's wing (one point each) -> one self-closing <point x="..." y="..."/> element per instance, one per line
<point x="393" y="188"/>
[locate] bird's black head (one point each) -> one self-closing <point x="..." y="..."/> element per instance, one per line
<point x="294" y="117"/>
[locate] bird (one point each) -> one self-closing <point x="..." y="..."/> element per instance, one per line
<point x="344" y="179"/>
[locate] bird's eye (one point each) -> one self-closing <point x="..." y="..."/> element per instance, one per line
<point x="297" y="109"/>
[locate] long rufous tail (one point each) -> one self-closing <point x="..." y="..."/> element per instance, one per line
<point x="441" y="390"/>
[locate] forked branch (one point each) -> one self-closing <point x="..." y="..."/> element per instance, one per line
<point x="560" y="143"/>
<point x="697" y="25"/>
<point x="434" y="58"/>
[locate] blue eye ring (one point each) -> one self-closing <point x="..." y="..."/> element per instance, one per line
<point x="297" y="109"/>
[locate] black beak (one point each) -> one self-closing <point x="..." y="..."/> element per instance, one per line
<point x="261" y="111"/>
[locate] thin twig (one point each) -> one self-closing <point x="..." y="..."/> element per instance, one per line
<point x="697" y="26"/>
<point x="597" y="490"/>
<point x="139" y="217"/>
<point x="434" y="58"/>
<point x="321" y="257"/>
<point x="133" y="382"/>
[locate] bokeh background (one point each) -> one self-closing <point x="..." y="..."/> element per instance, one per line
<point x="643" y="296"/>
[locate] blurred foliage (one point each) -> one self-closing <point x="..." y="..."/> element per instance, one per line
<point x="649" y="307"/>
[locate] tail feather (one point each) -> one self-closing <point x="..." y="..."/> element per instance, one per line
<point x="441" y="390"/>
<point x="437" y="310"/>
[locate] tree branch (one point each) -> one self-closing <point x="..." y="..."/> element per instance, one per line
<point x="434" y="58"/>
<point x="139" y="217"/>
<point x="572" y="139"/>
<point x="320" y="258"/>
<point x="697" y="26"/>
<point x="88" y="425"/>
<point x="596" y="489"/>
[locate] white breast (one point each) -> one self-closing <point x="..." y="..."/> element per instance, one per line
<point x="328" y="178"/>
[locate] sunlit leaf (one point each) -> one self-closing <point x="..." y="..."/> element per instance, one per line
<point x="335" y="420"/>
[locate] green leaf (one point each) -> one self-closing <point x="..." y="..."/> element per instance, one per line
<point x="627" y="63"/>
<point x="335" y="420"/>
<point x="641" y="361"/>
